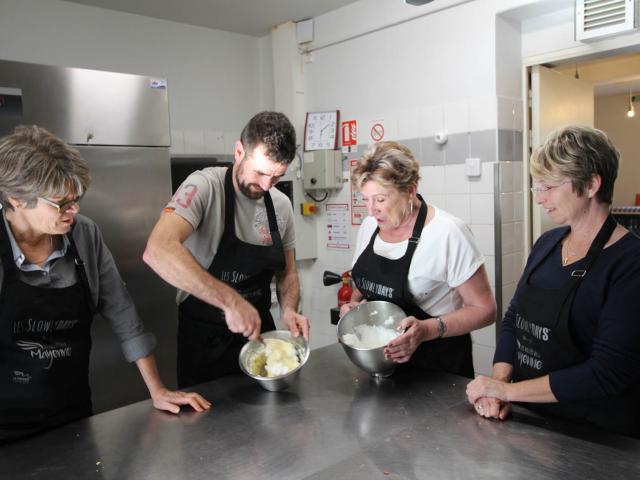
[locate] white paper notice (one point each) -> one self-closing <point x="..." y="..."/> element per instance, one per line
<point x="338" y="225"/>
<point x="358" y="207"/>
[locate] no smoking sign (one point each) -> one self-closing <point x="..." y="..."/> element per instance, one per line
<point x="377" y="132"/>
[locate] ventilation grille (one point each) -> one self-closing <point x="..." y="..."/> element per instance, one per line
<point x="601" y="18"/>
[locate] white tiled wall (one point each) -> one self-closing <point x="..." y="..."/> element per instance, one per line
<point x="444" y="183"/>
<point x="201" y="142"/>
<point x="511" y="209"/>
<point x="472" y="200"/>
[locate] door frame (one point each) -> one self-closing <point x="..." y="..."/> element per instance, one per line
<point x="605" y="49"/>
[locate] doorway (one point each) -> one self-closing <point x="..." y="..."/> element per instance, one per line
<point x="592" y="91"/>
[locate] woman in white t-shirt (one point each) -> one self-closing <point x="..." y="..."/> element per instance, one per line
<point x="422" y="259"/>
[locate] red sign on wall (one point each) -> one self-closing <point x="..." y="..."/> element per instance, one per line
<point x="349" y="133"/>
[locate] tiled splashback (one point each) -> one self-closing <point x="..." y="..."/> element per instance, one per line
<point x="490" y="204"/>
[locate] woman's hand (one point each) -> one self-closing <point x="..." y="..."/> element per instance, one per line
<point x="401" y="348"/>
<point x="488" y="397"/>
<point x="171" y="401"/>
<point x="349" y="306"/>
<point x="486" y="387"/>
<point x="164" y="399"/>
<point x="492" y="408"/>
<point x="479" y="392"/>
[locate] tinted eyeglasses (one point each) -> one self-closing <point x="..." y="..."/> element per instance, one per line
<point x="64" y="206"/>
<point x="546" y="188"/>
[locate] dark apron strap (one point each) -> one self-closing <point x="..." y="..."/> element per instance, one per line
<point x="5" y="249"/>
<point x="82" y="273"/>
<point x="596" y="247"/>
<point x="417" y="229"/>
<point x="229" y="203"/>
<point x="229" y="212"/>
<point x="273" y="222"/>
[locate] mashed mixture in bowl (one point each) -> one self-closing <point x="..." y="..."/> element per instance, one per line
<point x="276" y="357"/>
<point x="370" y="336"/>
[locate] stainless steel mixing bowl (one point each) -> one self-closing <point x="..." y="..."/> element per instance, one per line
<point x="274" y="384"/>
<point x="371" y="360"/>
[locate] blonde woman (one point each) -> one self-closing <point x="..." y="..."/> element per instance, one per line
<point x="422" y="259"/>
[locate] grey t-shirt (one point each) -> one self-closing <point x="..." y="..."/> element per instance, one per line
<point x="200" y="201"/>
<point x="108" y="291"/>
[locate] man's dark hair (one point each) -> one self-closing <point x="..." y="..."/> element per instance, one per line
<point x="275" y="132"/>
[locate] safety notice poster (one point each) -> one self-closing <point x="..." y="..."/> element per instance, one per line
<point x="358" y="207"/>
<point x="338" y="226"/>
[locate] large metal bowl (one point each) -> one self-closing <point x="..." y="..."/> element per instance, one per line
<point x="371" y="360"/>
<point x="275" y="384"/>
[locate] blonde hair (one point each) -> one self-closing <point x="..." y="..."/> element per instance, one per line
<point x="35" y="163"/>
<point x="390" y="164"/>
<point x="578" y="152"/>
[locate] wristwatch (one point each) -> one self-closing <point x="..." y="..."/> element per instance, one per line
<point x="442" y="327"/>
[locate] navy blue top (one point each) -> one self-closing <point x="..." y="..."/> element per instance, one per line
<point x="604" y="322"/>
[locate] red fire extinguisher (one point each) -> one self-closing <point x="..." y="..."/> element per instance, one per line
<point x="345" y="291"/>
<point x="344" y="294"/>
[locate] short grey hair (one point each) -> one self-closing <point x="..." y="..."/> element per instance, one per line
<point x="578" y="152"/>
<point x="35" y="163"/>
<point x="390" y="164"/>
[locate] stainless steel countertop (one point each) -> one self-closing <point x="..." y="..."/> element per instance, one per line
<point x="336" y="423"/>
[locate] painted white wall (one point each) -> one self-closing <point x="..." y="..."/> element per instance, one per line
<point x="508" y="61"/>
<point x="217" y="79"/>
<point x="265" y="74"/>
<point x="433" y="73"/>
<point x="551" y="35"/>
<point x="441" y="59"/>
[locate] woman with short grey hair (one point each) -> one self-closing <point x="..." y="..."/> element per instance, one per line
<point x="569" y="342"/>
<point x="55" y="274"/>
<point x="36" y="164"/>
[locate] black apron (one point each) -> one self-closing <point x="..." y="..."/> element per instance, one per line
<point x="544" y="344"/>
<point x="380" y="278"/>
<point x="207" y="349"/>
<point x="44" y="350"/>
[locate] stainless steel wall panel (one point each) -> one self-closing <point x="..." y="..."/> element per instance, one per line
<point x="120" y="123"/>
<point x="89" y="106"/>
<point x="130" y="186"/>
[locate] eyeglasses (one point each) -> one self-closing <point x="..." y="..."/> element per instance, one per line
<point x="546" y="188"/>
<point x="64" y="206"/>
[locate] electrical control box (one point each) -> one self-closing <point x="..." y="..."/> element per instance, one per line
<point x="322" y="170"/>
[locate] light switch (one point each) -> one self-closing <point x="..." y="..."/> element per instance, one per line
<point x="473" y="167"/>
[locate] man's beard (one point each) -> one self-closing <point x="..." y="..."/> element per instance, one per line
<point x="254" y="193"/>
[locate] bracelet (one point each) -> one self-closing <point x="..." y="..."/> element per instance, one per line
<point x="442" y="327"/>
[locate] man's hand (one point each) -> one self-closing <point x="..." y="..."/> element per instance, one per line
<point x="297" y="324"/>
<point x="243" y="318"/>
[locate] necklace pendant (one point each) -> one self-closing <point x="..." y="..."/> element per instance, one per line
<point x="565" y="260"/>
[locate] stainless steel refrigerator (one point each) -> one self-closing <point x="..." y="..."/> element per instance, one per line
<point x="120" y="124"/>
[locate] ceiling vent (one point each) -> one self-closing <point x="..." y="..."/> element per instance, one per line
<point x="601" y="18"/>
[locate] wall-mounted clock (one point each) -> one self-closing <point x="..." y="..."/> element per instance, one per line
<point x="321" y="130"/>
